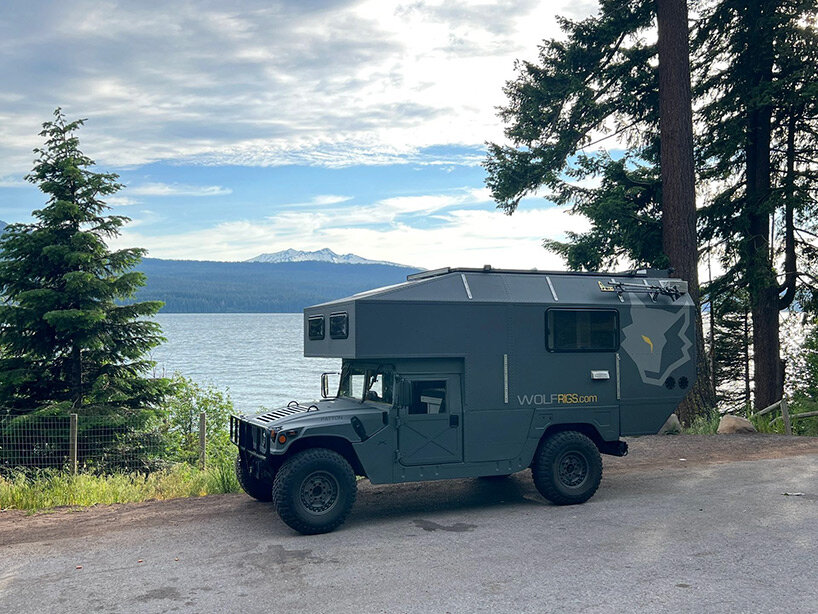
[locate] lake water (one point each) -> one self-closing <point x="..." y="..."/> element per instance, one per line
<point x="257" y="357"/>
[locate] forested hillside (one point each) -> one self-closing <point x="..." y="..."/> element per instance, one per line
<point x="246" y="287"/>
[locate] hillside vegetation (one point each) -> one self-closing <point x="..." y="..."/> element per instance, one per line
<point x="188" y="286"/>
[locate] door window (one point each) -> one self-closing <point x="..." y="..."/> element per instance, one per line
<point x="428" y="397"/>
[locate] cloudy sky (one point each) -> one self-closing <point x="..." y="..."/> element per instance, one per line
<point x="257" y="126"/>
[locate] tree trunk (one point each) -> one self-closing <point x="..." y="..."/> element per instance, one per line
<point x="678" y="180"/>
<point x="747" y="392"/>
<point x="790" y="265"/>
<point x="762" y="282"/>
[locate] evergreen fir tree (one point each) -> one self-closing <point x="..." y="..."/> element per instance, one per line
<point x="68" y="343"/>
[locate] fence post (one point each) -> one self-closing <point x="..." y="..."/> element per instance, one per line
<point x="785" y="414"/>
<point x="72" y="444"/>
<point x="202" y="440"/>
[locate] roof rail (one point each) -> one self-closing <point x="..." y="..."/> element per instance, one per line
<point x="645" y="272"/>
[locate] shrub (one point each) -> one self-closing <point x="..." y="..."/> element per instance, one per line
<point x="183" y="408"/>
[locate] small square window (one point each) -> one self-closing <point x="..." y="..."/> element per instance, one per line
<point x="315" y="325"/>
<point x="339" y="325"/>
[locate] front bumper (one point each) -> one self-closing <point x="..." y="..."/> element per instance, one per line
<point x="249" y="437"/>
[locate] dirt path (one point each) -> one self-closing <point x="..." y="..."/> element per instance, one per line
<point x="647" y="454"/>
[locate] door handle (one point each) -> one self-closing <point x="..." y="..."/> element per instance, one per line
<point x="454" y="420"/>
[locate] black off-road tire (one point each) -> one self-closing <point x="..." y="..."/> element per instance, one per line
<point x="568" y="468"/>
<point x="314" y="491"/>
<point x="256" y="488"/>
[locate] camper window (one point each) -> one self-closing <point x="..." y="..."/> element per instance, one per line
<point x="316" y="327"/>
<point x="428" y="397"/>
<point x="582" y="330"/>
<point x="339" y="325"/>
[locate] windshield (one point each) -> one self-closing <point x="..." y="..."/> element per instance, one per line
<point x="367" y="383"/>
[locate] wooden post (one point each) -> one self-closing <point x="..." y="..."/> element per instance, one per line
<point x="72" y="444"/>
<point x="785" y="414"/>
<point x="202" y="441"/>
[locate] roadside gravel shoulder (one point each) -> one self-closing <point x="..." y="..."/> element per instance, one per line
<point x="647" y="454"/>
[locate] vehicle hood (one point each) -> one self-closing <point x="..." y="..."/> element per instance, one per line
<point x="297" y="413"/>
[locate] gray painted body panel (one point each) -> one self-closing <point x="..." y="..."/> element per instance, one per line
<point x="484" y="333"/>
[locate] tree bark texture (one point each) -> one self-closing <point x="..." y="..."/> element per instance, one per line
<point x="762" y="282"/>
<point x="679" y="239"/>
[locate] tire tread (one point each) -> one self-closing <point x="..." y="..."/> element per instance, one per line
<point x="284" y="484"/>
<point x="543" y="468"/>
<point x="261" y="490"/>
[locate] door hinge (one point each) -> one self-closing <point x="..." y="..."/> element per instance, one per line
<point x="397" y="456"/>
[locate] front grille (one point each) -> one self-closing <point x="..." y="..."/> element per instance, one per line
<point x="249" y="437"/>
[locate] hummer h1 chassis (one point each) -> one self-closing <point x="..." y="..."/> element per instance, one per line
<point x="469" y="373"/>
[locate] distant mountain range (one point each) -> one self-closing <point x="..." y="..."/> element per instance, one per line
<point x="322" y="255"/>
<point x="2" y="225"/>
<point x="283" y="282"/>
<point x="190" y="286"/>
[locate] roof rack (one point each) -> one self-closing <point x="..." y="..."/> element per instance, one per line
<point x="674" y="289"/>
<point x="645" y="272"/>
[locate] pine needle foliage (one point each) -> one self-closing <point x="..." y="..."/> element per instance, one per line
<point x="69" y="340"/>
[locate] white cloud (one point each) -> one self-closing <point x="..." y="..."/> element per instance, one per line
<point x="385" y="211"/>
<point x="462" y="232"/>
<point x="121" y="201"/>
<point x="176" y="189"/>
<point x="11" y="181"/>
<point x="333" y="83"/>
<point x="321" y="200"/>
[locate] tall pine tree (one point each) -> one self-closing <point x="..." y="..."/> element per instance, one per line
<point x="67" y="343"/>
<point x="756" y="126"/>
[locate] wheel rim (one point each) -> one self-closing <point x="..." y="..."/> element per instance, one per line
<point x="572" y="469"/>
<point x="319" y="492"/>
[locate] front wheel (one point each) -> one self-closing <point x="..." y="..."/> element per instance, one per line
<point x="314" y="491"/>
<point x="253" y="486"/>
<point x="567" y="469"/>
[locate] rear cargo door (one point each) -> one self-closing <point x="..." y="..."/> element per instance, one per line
<point x="430" y="431"/>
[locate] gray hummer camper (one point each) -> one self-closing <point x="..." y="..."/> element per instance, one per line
<point x="463" y="373"/>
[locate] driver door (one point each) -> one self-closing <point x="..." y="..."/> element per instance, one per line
<point x="430" y="431"/>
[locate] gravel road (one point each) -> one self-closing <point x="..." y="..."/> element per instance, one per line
<point x="711" y="533"/>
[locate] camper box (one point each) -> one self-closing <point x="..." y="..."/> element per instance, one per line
<point x="613" y="351"/>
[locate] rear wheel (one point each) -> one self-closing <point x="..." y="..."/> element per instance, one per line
<point x="314" y="491"/>
<point x="568" y="468"/>
<point x="257" y="488"/>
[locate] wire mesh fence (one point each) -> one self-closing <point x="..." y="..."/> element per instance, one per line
<point x="97" y="443"/>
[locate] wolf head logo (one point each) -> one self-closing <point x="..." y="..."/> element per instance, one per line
<point x="657" y="340"/>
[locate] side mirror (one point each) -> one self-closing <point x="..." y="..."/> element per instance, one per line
<point x="325" y="394"/>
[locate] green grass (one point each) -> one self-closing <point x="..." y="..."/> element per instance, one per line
<point x="702" y="425"/>
<point x="48" y="489"/>
<point x="763" y="424"/>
